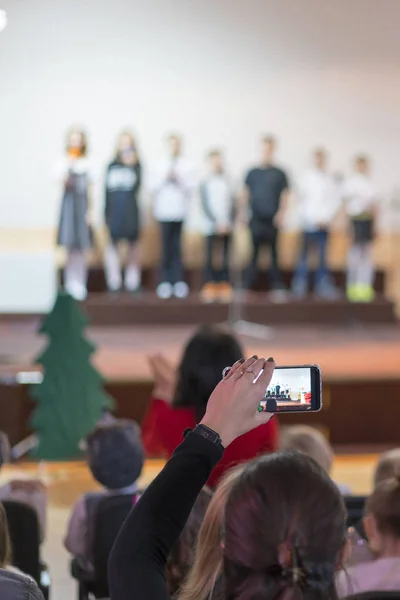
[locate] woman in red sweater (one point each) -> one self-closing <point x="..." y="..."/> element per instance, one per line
<point x="180" y="398"/>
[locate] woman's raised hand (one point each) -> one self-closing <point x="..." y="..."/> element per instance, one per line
<point x="232" y="409"/>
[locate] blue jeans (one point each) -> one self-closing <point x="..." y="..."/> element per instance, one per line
<point x="316" y="241"/>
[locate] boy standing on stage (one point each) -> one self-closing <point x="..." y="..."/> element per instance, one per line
<point x="361" y="207"/>
<point x="266" y="194"/>
<point x="319" y="203"/>
<point x="173" y="184"/>
<point x="218" y="209"/>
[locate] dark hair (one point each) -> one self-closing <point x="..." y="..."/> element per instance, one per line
<point x="115" y="454"/>
<point x="182" y="554"/>
<point x="207" y="353"/>
<point x="384" y="505"/>
<point x="285" y="528"/>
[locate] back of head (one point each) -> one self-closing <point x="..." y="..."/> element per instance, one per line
<point x="181" y="557"/>
<point x="5" y="544"/>
<point x="388" y="466"/>
<point x="207" y="353"/>
<point x="285" y="530"/>
<point x="310" y="441"/>
<point x="115" y="454"/>
<point x="204" y="576"/>
<point x="384" y="506"/>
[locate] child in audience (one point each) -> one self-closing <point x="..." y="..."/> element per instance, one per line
<point x="28" y="491"/>
<point x="74" y="232"/>
<point x="123" y="181"/>
<point x="319" y="202"/>
<point x="218" y="210"/>
<point x="172" y="186"/>
<point x="115" y="458"/>
<point x="382" y="527"/>
<point x="388" y="466"/>
<point x="361" y="207"/>
<point x="310" y="441"/>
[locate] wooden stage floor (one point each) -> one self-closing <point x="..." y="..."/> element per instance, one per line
<point x="360" y="353"/>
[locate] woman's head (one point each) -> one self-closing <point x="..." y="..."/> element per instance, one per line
<point x="382" y="518"/>
<point x="76" y="142"/>
<point x="126" y="147"/>
<point x="5" y="544"/>
<point x="204" y="576"/>
<point x="115" y="454"/>
<point x="285" y="530"/>
<point x="181" y="558"/>
<point x="207" y="353"/>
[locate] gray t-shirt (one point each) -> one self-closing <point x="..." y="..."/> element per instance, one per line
<point x="18" y="587"/>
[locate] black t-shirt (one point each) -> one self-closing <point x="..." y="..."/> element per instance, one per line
<point x="266" y="185"/>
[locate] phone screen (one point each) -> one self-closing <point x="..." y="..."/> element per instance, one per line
<point x="294" y="389"/>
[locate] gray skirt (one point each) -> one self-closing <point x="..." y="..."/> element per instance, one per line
<point x="74" y="233"/>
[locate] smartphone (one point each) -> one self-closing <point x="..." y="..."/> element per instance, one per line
<point x="294" y="389"/>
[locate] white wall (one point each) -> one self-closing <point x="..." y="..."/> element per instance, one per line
<point x="220" y="71"/>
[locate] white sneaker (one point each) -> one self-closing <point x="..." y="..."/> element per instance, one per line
<point x="164" y="290"/>
<point x="181" y="289"/>
<point x="132" y="279"/>
<point x="77" y="291"/>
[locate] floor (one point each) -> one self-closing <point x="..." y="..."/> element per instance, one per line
<point x="66" y="481"/>
<point x="358" y="353"/>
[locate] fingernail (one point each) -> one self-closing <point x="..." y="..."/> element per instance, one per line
<point x="241" y="360"/>
<point x="270" y="359"/>
<point x="255" y="356"/>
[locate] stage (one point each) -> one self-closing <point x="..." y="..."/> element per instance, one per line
<point x="360" y="369"/>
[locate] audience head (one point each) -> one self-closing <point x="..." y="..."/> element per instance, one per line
<point x="126" y="148"/>
<point x="309" y="441"/>
<point x="204" y="579"/>
<point x="285" y="530"/>
<point x="5" y="449"/>
<point x="362" y="164"/>
<point x="181" y="557"/>
<point x="76" y="142"/>
<point x="207" y="353"/>
<point x="174" y="145"/>
<point x="5" y="544"/>
<point x="216" y="161"/>
<point x="320" y="159"/>
<point x="268" y="148"/>
<point x="115" y="454"/>
<point x="382" y="518"/>
<point x="388" y="466"/>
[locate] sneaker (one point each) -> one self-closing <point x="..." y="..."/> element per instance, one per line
<point x="209" y="292"/>
<point x="224" y="292"/>
<point x="77" y="290"/>
<point x="278" y="296"/>
<point x="299" y="289"/>
<point x="366" y="293"/>
<point x="327" y="292"/>
<point x="132" y="279"/>
<point x="164" y="290"/>
<point x="181" y="289"/>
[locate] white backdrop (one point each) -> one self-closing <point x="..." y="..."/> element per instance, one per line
<point x="220" y="71"/>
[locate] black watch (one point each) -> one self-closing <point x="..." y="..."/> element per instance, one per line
<point x="209" y="434"/>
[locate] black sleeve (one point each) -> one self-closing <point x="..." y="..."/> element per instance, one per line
<point x="107" y="197"/>
<point x="205" y="203"/>
<point x="137" y="562"/>
<point x="138" y="183"/>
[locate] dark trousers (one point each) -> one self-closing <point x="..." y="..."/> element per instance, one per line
<point x="217" y="258"/>
<point x="171" y="257"/>
<point x="264" y="234"/>
<point x="313" y="241"/>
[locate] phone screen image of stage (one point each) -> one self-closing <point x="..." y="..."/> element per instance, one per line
<point x="290" y="388"/>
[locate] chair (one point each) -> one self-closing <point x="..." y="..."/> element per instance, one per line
<point x="378" y="595"/>
<point x="23" y="524"/>
<point x="110" y="516"/>
<point x="355" y="511"/>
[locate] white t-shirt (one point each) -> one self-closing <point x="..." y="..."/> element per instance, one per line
<point x="78" y="166"/>
<point x="359" y="195"/>
<point x="319" y="199"/>
<point x="217" y="199"/>
<point x="171" y="199"/>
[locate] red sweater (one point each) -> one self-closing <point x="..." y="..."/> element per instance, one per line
<point x="163" y="427"/>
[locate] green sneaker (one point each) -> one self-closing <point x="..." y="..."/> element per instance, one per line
<point x="353" y="293"/>
<point x="366" y="293"/>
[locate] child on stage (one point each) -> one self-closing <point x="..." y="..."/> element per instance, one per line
<point x="361" y="207"/>
<point x="218" y="210"/>
<point x="74" y="232"/>
<point x="122" y="214"/>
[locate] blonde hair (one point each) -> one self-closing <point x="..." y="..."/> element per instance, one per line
<point x="208" y="559"/>
<point x="388" y="466"/>
<point x="309" y="441"/>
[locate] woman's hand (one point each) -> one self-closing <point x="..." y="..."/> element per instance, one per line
<point x="232" y="409"/>
<point x="164" y="375"/>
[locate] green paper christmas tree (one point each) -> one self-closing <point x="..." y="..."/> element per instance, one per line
<point x="70" y="400"/>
